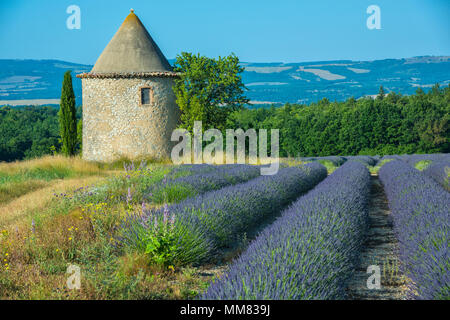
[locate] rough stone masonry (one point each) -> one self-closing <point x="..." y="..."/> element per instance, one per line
<point x="117" y="121"/>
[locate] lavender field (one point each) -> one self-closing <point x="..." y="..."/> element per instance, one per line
<point x="319" y="229"/>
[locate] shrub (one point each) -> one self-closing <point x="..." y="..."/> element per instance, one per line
<point x="421" y="214"/>
<point x="311" y="250"/>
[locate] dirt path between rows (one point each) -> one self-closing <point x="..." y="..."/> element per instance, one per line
<point x="380" y="249"/>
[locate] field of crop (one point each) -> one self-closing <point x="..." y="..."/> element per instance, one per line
<point x="160" y="231"/>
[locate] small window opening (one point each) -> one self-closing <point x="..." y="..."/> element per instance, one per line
<point x="146" y="95"/>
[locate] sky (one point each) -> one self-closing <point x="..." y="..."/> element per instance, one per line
<point x="255" y="30"/>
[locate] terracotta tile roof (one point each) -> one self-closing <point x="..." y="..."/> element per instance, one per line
<point x="160" y="74"/>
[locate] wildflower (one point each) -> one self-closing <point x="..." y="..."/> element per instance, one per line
<point x="70" y="238"/>
<point x="171" y="268"/>
<point x="33" y="226"/>
<point x="7" y="254"/>
<point x="166" y="213"/>
<point x="129" y="196"/>
<point x="57" y="250"/>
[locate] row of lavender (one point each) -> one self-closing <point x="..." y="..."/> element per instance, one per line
<point x="336" y="160"/>
<point x="440" y="172"/>
<point x="202" y="225"/>
<point x="198" y="179"/>
<point x="413" y="159"/>
<point x="311" y="250"/>
<point x="421" y="214"/>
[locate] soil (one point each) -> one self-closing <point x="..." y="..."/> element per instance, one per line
<point x="380" y="248"/>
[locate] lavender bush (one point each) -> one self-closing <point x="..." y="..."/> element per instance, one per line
<point x="335" y="160"/>
<point x="208" y="222"/>
<point x="188" y="169"/>
<point x="440" y="172"/>
<point x="366" y="160"/>
<point x="413" y="159"/>
<point x="311" y="250"/>
<point x="206" y="179"/>
<point x="421" y="214"/>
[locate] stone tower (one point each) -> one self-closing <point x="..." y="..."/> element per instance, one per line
<point x="129" y="107"/>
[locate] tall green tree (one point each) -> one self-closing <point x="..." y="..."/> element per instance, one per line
<point x="67" y="117"/>
<point x="381" y="93"/>
<point x="208" y="89"/>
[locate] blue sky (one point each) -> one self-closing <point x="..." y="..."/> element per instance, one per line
<point x="256" y="31"/>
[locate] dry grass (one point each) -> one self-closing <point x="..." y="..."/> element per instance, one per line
<point x="34" y="257"/>
<point x="26" y="187"/>
<point x="17" y="210"/>
<point x="12" y="190"/>
<point x="75" y="164"/>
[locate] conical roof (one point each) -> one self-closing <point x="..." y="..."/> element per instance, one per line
<point x="131" y="50"/>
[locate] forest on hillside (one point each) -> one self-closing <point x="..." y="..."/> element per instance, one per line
<point x="389" y="124"/>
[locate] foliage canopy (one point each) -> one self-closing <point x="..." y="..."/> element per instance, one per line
<point x="208" y="89"/>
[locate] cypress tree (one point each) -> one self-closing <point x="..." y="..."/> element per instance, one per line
<point x="381" y="93"/>
<point x="67" y="117"/>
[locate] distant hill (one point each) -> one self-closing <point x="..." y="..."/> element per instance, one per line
<point x="40" y="80"/>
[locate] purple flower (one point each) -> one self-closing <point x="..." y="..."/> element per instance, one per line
<point x="166" y="213"/>
<point x="310" y="251"/>
<point x="421" y="213"/>
<point x="129" y="196"/>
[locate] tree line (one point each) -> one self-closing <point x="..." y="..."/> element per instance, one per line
<point x="33" y="131"/>
<point x="388" y="124"/>
<point x="212" y="91"/>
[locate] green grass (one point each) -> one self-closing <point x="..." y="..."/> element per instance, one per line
<point x="172" y="193"/>
<point x="376" y="168"/>
<point x="422" y="165"/>
<point x="329" y="165"/>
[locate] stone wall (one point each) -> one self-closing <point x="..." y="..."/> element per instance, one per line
<point x="116" y="125"/>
